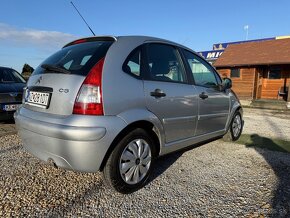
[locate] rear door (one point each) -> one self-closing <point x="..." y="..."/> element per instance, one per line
<point x="54" y="85"/>
<point x="167" y="92"/>
<point x="213" y="104"/>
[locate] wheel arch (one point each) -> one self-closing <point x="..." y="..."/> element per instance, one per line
<point x="234" y="110"/>
<point x="143" y="124"/>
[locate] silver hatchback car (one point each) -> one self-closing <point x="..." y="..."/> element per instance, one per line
<point x="114" y="104"/>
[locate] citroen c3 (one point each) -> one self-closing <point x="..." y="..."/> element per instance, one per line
<point x="115" y="104"/>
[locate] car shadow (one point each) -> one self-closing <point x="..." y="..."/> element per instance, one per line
<point x="164" y="162"/>
<point x="11" y="121"/>
<point x="279" y="162"/>
<point x="100" y="189"/>
<point x="7" y="128"/>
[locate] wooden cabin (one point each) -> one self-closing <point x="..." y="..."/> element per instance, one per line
<point x="259" y="70"/>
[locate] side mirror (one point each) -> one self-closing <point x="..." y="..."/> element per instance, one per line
<point x="227" y="84"/>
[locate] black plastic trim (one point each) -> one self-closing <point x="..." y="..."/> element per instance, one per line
<point x="40" y="89"/>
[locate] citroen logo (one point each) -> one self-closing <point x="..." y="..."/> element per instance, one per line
<point x="38" y="80"/>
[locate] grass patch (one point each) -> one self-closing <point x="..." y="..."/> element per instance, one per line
<point x="255" y="140"/>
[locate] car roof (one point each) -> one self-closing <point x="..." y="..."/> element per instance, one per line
<point x="129" y="38"/>
<point x="9" y="68"/>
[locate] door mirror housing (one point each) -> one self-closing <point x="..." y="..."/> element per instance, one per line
<point x="226" y="84"/>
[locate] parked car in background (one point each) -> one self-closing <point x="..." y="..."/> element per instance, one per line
<point x="115" y="104"/>
<point x="11" y="89"/>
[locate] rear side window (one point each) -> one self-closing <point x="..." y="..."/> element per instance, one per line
<point x="133" y="63"/>
<point x="78" y="59"/>
<point x="10" y="76"/>
<point x="164" y="64"/>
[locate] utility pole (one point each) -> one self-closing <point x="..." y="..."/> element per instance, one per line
<point x="288" y="98"/>
<point x="246" y="27"/>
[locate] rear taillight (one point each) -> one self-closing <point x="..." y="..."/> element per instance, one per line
<point x="89" y="99"/>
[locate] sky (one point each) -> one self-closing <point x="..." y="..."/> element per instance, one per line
<point x="32" y="30"/>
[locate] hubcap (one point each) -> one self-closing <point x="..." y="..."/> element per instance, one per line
<point x="237" y="125"/>
<point x="135" y="161"/>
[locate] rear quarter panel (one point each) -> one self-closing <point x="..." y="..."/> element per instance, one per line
<point x="121" y="92"/>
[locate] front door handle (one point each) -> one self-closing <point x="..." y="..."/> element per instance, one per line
<point x="158" y="93"/>
<point x="203" y="95"/>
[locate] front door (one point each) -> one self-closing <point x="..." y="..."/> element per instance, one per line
<point x="213" y="104"/>
<point x="167" y="92"/>
<point x="213" y="110"/>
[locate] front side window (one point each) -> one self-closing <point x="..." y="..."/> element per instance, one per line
<point x="164" y="64"/>
<point x="202" y="73"/>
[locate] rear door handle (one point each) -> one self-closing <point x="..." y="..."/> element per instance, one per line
<point x="203" y="95"/>
<point x="158" y="93"/>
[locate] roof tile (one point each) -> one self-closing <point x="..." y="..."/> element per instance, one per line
<point x="256" y="53"/>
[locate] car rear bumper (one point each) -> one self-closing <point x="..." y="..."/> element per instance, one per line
<point x="7" y="115"/>
<point x="69" y="142"/>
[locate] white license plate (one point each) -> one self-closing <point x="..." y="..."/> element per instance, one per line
<point x="11" y="107"/>
<point x="38" y="99"/>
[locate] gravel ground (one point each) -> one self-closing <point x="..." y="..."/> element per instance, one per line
<point x="7" y="128"/>
<point x="218" y="179"/>
<point x="267" y="123"/>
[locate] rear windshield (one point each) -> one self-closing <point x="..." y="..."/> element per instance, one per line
<point x="77" y="59"/>
<point x="10" y="76"/>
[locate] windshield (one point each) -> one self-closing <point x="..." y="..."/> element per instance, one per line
<point x="8" y="75"/>
<point x="76" y="59"/>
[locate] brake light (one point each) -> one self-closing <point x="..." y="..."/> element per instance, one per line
<point x="79" y="41"/>
<point x="89" y="98"/>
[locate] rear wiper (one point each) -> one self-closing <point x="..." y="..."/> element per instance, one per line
<point x="54" y="68"/>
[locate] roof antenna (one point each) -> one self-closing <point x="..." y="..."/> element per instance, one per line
<point x="83" y="18"/>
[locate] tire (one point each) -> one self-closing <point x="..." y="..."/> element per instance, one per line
<point x="235" y="128"/>
<point x="130" y="163"/>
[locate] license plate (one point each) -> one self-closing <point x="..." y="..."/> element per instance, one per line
<point x="38" y="99"/>
<point x="10" y="107"/>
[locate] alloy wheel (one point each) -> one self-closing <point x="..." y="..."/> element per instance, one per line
<point x="237" y="125"/>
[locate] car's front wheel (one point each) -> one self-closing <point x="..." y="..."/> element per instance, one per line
<point x="235" y="129"/>
<point x="130" y="163"/>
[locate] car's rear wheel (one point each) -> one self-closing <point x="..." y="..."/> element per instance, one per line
<point x="130" y="163"/>
<point x="235" y="129"/>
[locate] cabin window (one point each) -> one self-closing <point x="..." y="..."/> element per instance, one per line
<point x="274" y="73"/>
<point x="235" y="73"/>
